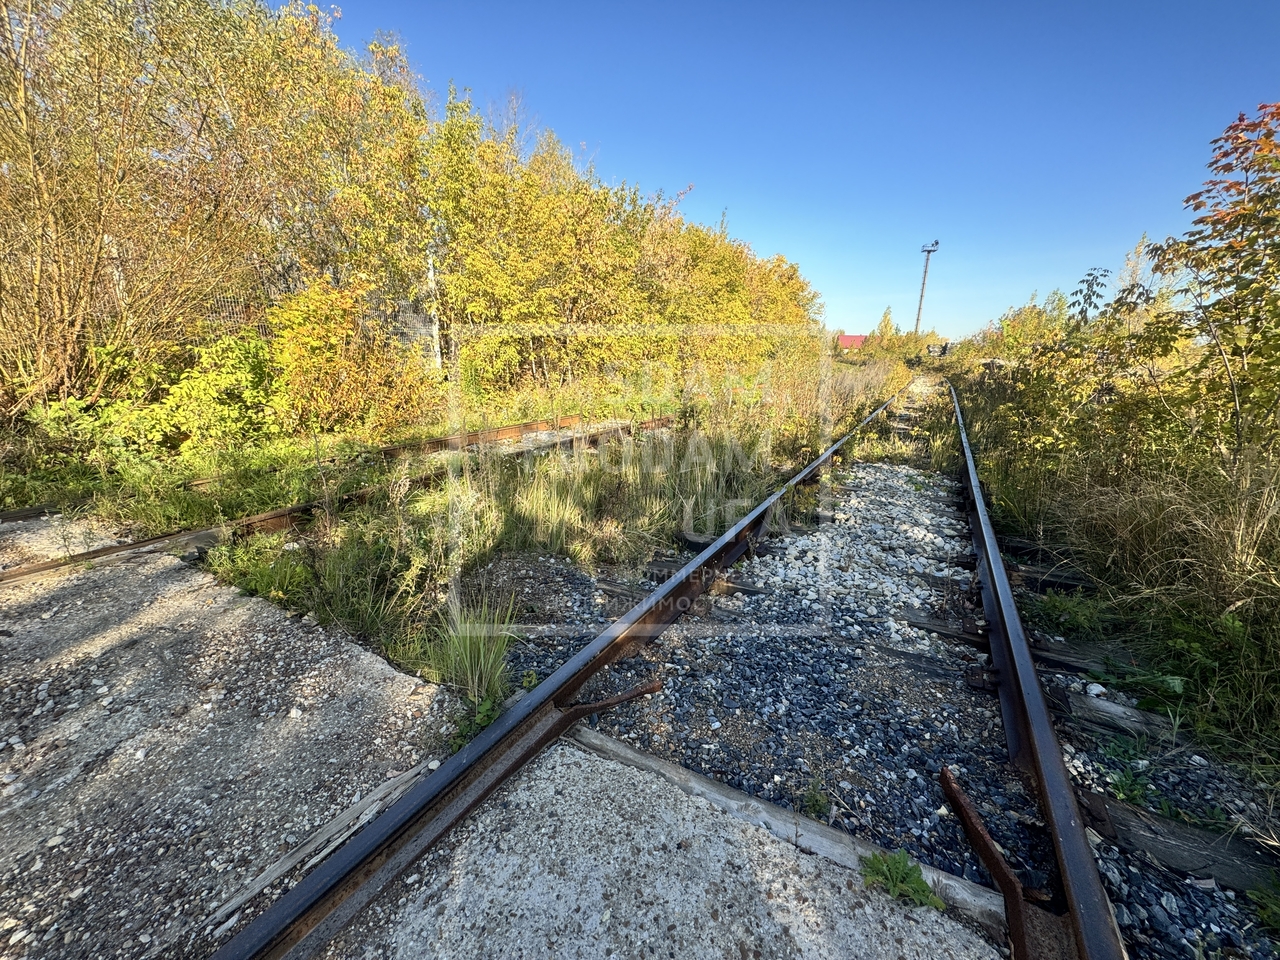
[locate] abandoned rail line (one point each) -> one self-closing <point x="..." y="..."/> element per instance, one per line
<point x="538" y="434"/>
<point x="784" y="667"/>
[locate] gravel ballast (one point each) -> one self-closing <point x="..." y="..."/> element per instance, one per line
<point x="582" y="857"/>
<point x="819" y="695"/>
<point x="167" y="739"/>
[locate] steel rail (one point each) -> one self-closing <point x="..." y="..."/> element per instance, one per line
<point x="454" y="441"/>
<point x="1032" y="740"/>
<point x="285" y="517"/>
<point x="323" y="902"/>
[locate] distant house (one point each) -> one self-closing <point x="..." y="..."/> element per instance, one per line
<point x="850" y="341"/>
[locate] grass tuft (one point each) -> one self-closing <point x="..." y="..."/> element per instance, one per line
<point x="814" y="802"/>
<point x="470" y="651"/>
<point x="899" y="876"/>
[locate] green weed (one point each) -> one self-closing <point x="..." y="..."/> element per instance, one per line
<point x="1267" y="901"/>
<point x="899" y="876"/>
<point x="1130" y="787"/>
<point x="615" y="505"/>
<point x="473" y="718"/>
<point x="1125" y="749"/>
<point x="1171" y="811"/>
<point x="814" y="802"/>
<point x="1073" y="614"/>
<point x="266" y="565"/>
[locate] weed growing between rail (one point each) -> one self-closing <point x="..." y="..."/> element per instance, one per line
<point x="469" y="651"/>
<point x="391" y="567"/>
<point x="619" y="504"/>
<point x="814" y="802"/>
<point x="266" y="566"/>
<point x="386" y="568"/>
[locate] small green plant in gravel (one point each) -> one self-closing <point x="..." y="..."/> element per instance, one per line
<point x="529" y="680"/>
<point x="266" y="565"/>
<point x="1129" y="787"/>
<point x="1126" y="749"/>
<point x="1267" y="901"/>
<point x="474" y="718"/>
<point x="1171" y="811"/>
<point x="899" y="876"/>
<point x="1214" y="818"/>
<point x="814" y="801"/>
<point x="1074" y="614"/>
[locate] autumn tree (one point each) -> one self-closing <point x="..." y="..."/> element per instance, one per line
<point x="1226" y="273"/>
<point x="124" y="203"/>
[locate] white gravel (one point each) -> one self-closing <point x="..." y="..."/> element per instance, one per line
<point x="50" y="538"/>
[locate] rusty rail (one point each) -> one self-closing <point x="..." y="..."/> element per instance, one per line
<point x="455" y="441"/>
<point x="287" y="517"/>
<point x="314" y="911"/>
<point x="1033" y="745"/>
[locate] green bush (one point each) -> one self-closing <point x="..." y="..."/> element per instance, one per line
<point x="224" y="399"/>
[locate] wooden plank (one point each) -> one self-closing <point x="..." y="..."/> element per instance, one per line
<point x="322" y="842"/>
<point x="920" y="663"/>
<point x="1114" y="716"/>
<point x="957" y="632"/>
<point x="1048" y="578"/>
<point x="622" y="591"/>
<point x="1230" y="860"/>
<point x="1079" y="658"/>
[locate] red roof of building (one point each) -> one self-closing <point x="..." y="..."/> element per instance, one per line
<point x="850" y="341"/>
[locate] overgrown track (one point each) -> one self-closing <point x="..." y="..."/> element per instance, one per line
<point x="291" y="516"/>
<point x="455" y="441"/>
<point x="1033" y="746"/>
<point x="310" y="914"/>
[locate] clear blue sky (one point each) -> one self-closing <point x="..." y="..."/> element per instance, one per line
<point x="1033" y="140"/>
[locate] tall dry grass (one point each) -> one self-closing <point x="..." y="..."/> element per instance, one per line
<point x="1183" y="537"/>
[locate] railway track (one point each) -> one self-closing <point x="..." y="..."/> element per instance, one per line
<point x="681" y="699"/>
<point x="542" y="434"/>
<point x="386" y="454"/>
<point x="317" y="908"/>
